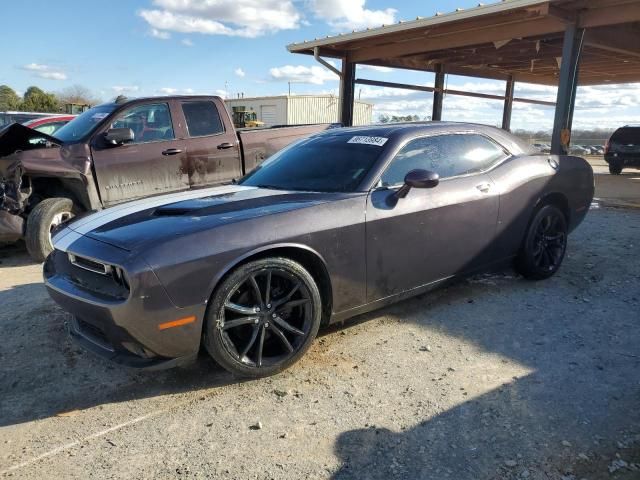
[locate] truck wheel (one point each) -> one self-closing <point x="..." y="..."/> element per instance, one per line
<point x="615" y="169"/>
<point x="45" y="217"/>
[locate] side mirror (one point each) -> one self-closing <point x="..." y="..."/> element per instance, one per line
<point x="119" y="136"/>
<point x="418" y="179"/>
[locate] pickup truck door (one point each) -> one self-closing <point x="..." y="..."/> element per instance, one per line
<point x="152" y="163"/>
<point x="213" y="149"/>
<point x="432" y="233"/>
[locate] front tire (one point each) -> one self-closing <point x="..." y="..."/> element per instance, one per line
<point x="615" y="169"/>
<point x="263" y="317"/>
<point x="544" y="245"/>
<point x="42" y="220"/>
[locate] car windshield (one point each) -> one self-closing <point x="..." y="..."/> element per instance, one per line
<point x="84" y="123"/>
<point x="327" y="163"/>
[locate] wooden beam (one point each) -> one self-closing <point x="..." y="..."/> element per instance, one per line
<point x="402" y="86"/>
<point x="447" y="91"/>
<point x="610" y="15"/>
<point x="433" y="42"/>
<point x="623" y="39"/>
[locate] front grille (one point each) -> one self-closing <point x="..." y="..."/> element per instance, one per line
<point x="102" y="280"/>
<point x="89" y="264"/>
<point x="94" y="334"/>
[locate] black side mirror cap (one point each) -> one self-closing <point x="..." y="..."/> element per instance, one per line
<point x="119" y="136"/>
<point x="418" y="179"/>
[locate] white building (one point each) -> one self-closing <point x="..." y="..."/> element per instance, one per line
<point x="300" y="109"/>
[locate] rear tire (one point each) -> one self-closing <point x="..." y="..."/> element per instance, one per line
<point x="46" y="216"/>
<point x="544" y="245"/>
<point x="615" y="169"/>
<point x="263" y="317"/>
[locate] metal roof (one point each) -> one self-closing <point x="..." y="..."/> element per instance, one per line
<point x="518" y="38"/>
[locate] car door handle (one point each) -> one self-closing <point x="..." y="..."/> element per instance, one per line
<point x="484" y="187"/>
<point x="225" y="145"/>
<point x="172" y="151"/>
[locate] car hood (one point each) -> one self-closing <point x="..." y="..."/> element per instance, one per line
<point x="133" y="225"/>
<point x="15" y="137"/>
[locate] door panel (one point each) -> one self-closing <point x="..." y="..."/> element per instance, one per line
<point x="213" y="150"/>
<point x="151" y="164"/>
<point x="430" y="234"/>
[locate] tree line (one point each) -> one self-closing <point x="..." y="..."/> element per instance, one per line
<point x="35" y="99"/>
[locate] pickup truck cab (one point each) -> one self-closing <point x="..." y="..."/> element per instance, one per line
<point x="121" y="151"/>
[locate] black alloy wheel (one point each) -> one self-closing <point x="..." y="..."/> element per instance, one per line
<point x="544" y="245"/>
<point x="263" y="317"/>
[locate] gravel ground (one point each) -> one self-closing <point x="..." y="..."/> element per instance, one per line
<point x="493" y="378"/>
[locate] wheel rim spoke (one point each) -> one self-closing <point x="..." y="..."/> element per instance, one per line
<point x="267" y="294"/>
<point x="261" y="346"/>
<point x="256" y="289"/>
<point x="287" y="326"/>
<point x="241" y="309"/>
<point x="252" y="340"/>
<point x="284" y="300"/>
<point x="293" y="303"/>
<point x="282" y="337"/>
<point x="236" y="322"/>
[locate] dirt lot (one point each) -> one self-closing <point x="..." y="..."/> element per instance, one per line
<point x="493" y="378"/>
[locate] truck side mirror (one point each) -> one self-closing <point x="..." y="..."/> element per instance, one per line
<point x="119" y="136"/>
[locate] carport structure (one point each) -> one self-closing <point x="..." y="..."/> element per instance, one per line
<point x="564" y="43"/>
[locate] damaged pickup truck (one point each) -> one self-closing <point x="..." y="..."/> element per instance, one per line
<point x="122" y="151"/>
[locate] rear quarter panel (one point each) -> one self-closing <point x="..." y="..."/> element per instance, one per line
<point x="524" y="181"/>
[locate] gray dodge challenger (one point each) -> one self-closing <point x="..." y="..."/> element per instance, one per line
<point x="337" y="224"/>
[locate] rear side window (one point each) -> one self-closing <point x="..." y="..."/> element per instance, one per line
<point x="202" y="118"/>
<point x="627" y="135"/>
<point x="447" y="155"/>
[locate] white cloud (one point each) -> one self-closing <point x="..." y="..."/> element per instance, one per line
<point x="175" y="91"/>
<point x="351" y="14"/>
<point x="221" y="93"/>
<point x="161" y="34"/>
<point x="125" y="88"/>
<point x="243" y="18"/>
<point x="35" y="67"/>
<point x="375" y="68"/>
<point x="186" y="42"/>
<point x="607" y="106"/>
<point x="239" y="72"/>
<point x="300" y="74"/>
<point x="45" y="71"/>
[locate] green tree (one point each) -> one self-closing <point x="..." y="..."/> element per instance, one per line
<point x="36" y="100"/>
<point x="9" y="99"/>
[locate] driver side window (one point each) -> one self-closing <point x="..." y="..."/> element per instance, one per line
<point x="149" y="123"/>
<point x="447" y="155"/>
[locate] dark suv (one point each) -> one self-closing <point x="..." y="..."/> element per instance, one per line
<point x="623" y="149"/>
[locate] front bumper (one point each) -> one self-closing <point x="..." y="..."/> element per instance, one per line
<point x="623" y="159"/>
<point x="121" y="324"/>
<point x="11" y="227"/>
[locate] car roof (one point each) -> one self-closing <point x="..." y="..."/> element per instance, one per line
<point x="407" y="130"/>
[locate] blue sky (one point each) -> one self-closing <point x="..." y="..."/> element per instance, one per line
<point x="155" y="47"/>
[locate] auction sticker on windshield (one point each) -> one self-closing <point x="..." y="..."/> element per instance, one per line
<point x="366" y="140"/>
